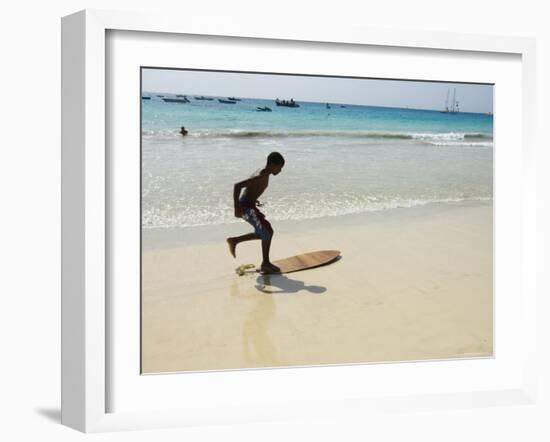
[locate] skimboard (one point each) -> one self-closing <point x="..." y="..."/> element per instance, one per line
<point x="299" y="262"/>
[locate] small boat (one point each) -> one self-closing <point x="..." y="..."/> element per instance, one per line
<point x="203" y="98"/>
<point x="328" y="106"/>
<point x="286" y="103"/>
<point x="226" y="101"/>
<point x="263" y="109"/>
<point x="145" y="98"/>
<point x="342" y="106"/>
<point x="160" y="96"/>
<point x="233" y="99"/>
<point x="180" y="96"/>
<point x="175" y="100"/>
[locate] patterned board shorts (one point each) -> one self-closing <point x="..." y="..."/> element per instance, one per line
<point x="253" y="216"/>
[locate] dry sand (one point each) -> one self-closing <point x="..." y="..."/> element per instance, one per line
<point x="412" y="284"/>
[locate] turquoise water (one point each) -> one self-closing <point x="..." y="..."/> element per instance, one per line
<point x="342" y="160"/>
<point x="157" y="114"/>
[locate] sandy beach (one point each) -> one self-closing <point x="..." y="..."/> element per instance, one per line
<point x="412" y="284"/>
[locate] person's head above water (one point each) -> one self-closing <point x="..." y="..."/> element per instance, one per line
<point x="275" y="162"/>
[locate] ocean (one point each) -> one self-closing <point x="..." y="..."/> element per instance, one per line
<point x="346" y="159"/>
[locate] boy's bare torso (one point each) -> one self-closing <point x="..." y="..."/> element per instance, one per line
<point x="257" y="185"/>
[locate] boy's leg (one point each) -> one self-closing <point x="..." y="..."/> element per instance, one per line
<point x="264" y="231"/>
<point x="232" y="242"/>
<point x="266" y="264"/>
<point x="266" y="234"/>
<point x="247" y="237"/>
<point x="266" y="244"/>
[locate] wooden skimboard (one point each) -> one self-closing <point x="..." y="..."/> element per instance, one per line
<point x="306" y="261"/>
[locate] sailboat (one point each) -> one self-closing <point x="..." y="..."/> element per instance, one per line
<point x="454" y="109"/>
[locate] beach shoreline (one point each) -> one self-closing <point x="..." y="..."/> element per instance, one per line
<point x="412" y="284"/>
<point x="171" y="237"/>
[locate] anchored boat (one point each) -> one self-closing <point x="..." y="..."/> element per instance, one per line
<point x="175" y="100"/>
<point x="286" y="103"/>
<point x="454" y="108"/>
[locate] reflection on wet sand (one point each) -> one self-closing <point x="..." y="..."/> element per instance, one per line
<point x="258" y="348"/>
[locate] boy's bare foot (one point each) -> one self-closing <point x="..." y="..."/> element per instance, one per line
<point x="232" y="245"/>
<point x="270" y="268"/>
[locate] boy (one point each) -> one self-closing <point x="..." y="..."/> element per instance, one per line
<point x="245" y="207"/>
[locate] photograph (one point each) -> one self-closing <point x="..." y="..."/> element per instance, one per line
<point x="308" y="220"/>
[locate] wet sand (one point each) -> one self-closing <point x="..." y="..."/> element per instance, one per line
<point x="412" y="284"/>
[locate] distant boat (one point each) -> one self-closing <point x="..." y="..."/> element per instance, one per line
<point x="145" y="98"/>
<point x="263" y="109"/>
<point x="328" y="106"/>
<point x="342" y="105"/>
<point x="233" y="99"/>
<point x="446" y="104"/>
<point x="180" y="96"/>
<point x="175" y="100"/>
<point x="160" y="96"/>
<point x="226" y="101"/>
<point x="203" y="98"/>
<point x="454" y="108"/>
<point x="285" y="103"/>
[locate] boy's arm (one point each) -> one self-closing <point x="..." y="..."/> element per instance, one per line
<point x="236" y="193"/>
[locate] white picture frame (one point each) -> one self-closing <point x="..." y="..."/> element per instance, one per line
<point x="86" y="206"/>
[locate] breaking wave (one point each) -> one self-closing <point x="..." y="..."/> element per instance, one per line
<point x="431" y="138"/>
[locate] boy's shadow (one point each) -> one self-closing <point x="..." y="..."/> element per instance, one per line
<point x="265" y="283"/>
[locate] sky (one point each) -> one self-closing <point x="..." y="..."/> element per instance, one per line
<point x="362" y="91"/>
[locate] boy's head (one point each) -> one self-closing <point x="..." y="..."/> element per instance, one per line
<point x="275" y="162"/>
